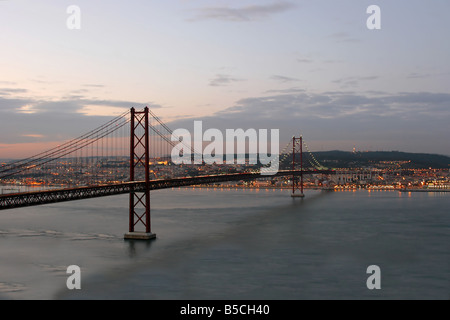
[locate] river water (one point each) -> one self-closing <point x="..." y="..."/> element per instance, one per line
<point x="232" y="244"/>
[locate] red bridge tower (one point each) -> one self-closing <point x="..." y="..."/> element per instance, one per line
<point x="297" y="186"/>
<point x="140" y="156"/>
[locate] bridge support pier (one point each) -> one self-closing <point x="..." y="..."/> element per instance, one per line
<point x="297" y="195"/>
<point x="139" y="236"/>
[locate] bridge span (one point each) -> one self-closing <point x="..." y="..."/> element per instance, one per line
<point x="19" y="200"/>
<point x="137" y="141"/>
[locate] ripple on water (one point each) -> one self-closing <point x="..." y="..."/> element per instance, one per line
<point x="8" y="287"/>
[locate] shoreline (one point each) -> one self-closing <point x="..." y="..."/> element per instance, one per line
<point x="314" y="188"/>
<point x="424" y="190"/>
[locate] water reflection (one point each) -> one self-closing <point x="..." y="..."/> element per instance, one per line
<point x="138" y="247"/>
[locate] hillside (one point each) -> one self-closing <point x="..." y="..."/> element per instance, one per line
<point x="342" y="159"/>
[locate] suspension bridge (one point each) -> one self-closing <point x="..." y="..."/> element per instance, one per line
<point x="131" y="154"/>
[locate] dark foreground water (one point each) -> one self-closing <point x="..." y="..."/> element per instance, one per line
<point x="232" y="244"/>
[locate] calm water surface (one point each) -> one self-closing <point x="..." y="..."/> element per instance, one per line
<point x="232" y="244"/>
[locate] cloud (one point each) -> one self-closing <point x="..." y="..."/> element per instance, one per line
<point x="8" y="83"/>
<point x="28" y="108"/>
<point x="415" y="75"/>
<point x="289" y="90"/>
<point x="353" y="81"/>
<point x="407" y="121"/>
<point x="221" y="80"/>
<point x="33" y="135"/>
<point x="343" y="37"/>
<point x="248" y="13"/>
<point x="9" y="91"/>
<point x="93" y="85"/>
<point x="8" y="104"/>
<point x="303" y="60"/>
<point x="415" y="122"/>
<point x="56" y="120"/>
<point x="283" y="79"/>
<point x="332" y="61"/>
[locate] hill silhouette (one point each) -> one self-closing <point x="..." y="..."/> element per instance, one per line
<point x="343" y="159"/>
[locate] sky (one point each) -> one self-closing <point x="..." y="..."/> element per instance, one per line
<point x="309" y="67"/>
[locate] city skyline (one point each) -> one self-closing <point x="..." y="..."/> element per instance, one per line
<point x="299" y="66"/>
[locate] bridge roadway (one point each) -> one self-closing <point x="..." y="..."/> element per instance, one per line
<point x="26" y="199"/>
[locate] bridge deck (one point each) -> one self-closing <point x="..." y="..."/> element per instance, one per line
<point x="18" y="200"/>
